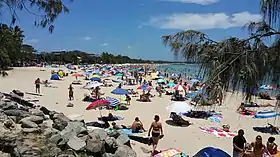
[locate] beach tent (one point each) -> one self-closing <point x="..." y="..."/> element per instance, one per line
<point x="211" y="152"/>
<point x="55" y="77"/>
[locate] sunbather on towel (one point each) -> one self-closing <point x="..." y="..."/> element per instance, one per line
<point x="117" y="127"/>
<point x="252" y="104"/>
<point x="137" y="126"/>
<point x="242" y="108"/>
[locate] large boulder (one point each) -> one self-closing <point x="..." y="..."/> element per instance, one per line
<point x="9" y="106"/>
<point x="76" y="143"/>
<point x="26" y="123"/>
<point x="16" y="112"/>
<point x="110" y="145"/>
<point x="125" y="151"/>
<point x="35" y="119"/>
<point x="100" y="132"/>
<point x="123" y="140"/>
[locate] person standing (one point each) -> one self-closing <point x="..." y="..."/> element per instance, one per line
<point x="37" y="85"/>
<point x="239" y="142"/>
<point x="71" y="92"/>
<point x="157" y="132"/>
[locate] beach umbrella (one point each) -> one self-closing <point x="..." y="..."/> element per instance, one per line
<point x="171" y="152"/>
<point x="159" y="81"/>
<point x="96" y="75"/>
<point x="97" y="104"/>
<point x="170" y="84"/>
<point x="179" y="107"/>
<point x="265" y="114"/>
<point x="145" y="87"/>
<point x="77" y="75"/>
<point x="91" y="85"/>
<point x="120" y="91"/>
<point x="211" y="152"/>
<point x="180" y="87"/>
<point x="119" y="74"/>
<point x="95" y="79"/>
<point x="113" y="101"/>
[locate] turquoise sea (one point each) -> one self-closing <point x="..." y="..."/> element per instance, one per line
<point x="193" y="71"/>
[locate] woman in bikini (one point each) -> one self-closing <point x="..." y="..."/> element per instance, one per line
<point x="157" y="132"/>
<point x="259" y="148"/>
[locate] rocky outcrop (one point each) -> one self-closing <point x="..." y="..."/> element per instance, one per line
<point x="27" y="130"/>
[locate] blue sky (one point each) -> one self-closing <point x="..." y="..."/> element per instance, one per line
<point x="134" y="27"/>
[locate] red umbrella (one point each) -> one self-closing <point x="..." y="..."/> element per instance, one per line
<point x="77" y="75"/>
<point x="145" y="87"/>
<point x="98" y="103"/>
<point x="180" y="87"/>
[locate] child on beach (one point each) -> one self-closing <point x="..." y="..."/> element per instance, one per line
<point x="127" y="99"/>
<point x="271" y="146"/>
<point x="71" y="93"/>
<point x="37" y="85"/>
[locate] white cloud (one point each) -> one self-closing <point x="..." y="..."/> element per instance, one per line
<point x="87" y="38"/>
<point x="129" y="47"/>
<point x="184" y="21"/>
<point x="201" y="2"/>
<point x="140" y="26"/>
<point x="104" y="44"/>
<point x="32" y="41"/>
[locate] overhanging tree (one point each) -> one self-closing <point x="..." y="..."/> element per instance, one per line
<point x="235" y="63"/>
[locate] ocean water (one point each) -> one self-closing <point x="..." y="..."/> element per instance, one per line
<point x="193" y="71"/>
<point x="190" y="70"/>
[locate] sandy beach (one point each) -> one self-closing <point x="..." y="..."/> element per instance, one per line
<point x="187" y="139"/>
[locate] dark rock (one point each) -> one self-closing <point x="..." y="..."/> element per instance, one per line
<point x="17" y="113"/>
<point x="10" y="106"/>
<point x="45" y="110"/>
<point x="76" y="143"/>
<point x="114" y="134"/>
<point x="56" y="138"/>
<point x="67" y="153"/>
<point x="24" y="108"/>
<point x="70" y="105"/>
<point x="75" y="127"/>
<point x="19" y="100"/>
<point x="9" y="124"/>
<point x="59" y="124"/>
<point x="49" y="132"/>
<point x="111" y="145"/>
<point x="125" y="151"/>
<point x="18" y="92"/>
<point x="95" y="146"/>
<point x="26" y="123"/>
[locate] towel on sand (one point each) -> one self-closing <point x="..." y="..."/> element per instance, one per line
<point x="217" y="131"/>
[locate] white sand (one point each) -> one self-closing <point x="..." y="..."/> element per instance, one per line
<point x="187" y="139"/>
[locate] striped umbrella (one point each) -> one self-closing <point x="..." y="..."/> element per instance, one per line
<point x="113" y="101"/>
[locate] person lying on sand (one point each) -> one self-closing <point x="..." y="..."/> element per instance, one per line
<point x="137" y="126"/>
<point x="242" y="108"/>
<point x="265" y="95"/>
<point x="117" y="127"/>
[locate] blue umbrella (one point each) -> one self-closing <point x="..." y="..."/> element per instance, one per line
<point x="160" y="81"/>
<point x="113" y="101"/>
<point x="119" y="91"/>
<point x="95" y="79"/>
<point x="170" y="84"/>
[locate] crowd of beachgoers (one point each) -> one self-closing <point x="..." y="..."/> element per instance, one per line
<point x="181" y="120"/>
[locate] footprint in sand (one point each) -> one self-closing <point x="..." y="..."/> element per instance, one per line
<point x="145" y="150"/>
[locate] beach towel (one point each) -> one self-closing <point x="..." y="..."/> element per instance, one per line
<point x="172" y="152"/>
<point x="217" y="131"/>
<point x="216" y="118"/>
<point x="266" y="129"/>
<point x="128" y="131"/>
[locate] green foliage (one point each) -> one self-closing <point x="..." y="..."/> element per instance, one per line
<point x="232" y="63"/>
<point x="77" y="57"/>
<point x="45" y="10"/>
